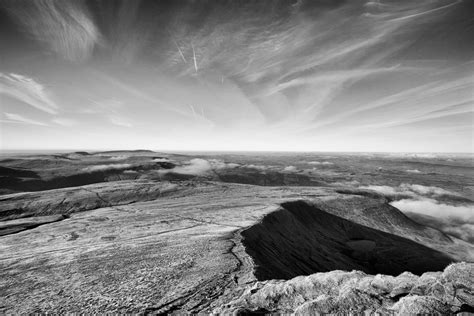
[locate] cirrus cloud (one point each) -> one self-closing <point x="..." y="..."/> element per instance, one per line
<point x="27" y="90"/>
<point x="65" y="27"/>
<point x="17" y="118"/>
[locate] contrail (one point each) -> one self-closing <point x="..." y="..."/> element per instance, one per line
<point x="180" y="51"/>
<point x="177" y="46"/>
<point x="194" y="112"/>
<point x="194" y="57"/>
<point x="426" y="12"/>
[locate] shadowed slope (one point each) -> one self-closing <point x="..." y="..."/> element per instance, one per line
<point x="300" y="239"/>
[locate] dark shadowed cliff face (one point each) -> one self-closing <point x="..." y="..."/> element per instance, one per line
<point x="300" y="239"/>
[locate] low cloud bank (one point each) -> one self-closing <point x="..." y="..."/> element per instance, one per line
<point x="194" y="167"/>
<point x="426" y="190"/>
<point x="130" y="171"/>
<point x="463" y="231"/>
<point x="451" y="225"/>
<point x="434" y="208"/>
<point x="219" y="164"/>
<point x="116" y="166"/>
<point x="290" y="169"/>
<point x="161" y="160"/>
<point x="121" y="157"/>
<point x="455" y="220"/>
<point x="417" y="155"/>
<point x="324" y="163"/>
<point x="258" y="167"/>
<point x="199" y="166"/>
<point x="427" y="205"/>
<point x="410" y="190"/>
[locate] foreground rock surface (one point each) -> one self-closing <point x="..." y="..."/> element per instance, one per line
<point x="161" y="247"/>
<point x="341" y="292"/>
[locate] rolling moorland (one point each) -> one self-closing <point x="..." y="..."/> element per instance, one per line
<point x="147" y="232"/>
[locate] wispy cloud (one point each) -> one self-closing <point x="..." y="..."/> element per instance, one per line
<point x="119" y="121"/>
<point x="126" y="33"/>
<point x="432" y="89"/>
<point x="139" y="94"/>
<point x="267" y="74"/>
<point x="333" y="76"/>
<point x="67" y="122"/>
<point x="401" y="105"/>
<point x="28" y="91"/>
<point x="111" y="110"/>
<point x="265" y="58"/>
<point x="64" y="26"/>
<point x="450" y="109"/>
<point x="17" y="118"/>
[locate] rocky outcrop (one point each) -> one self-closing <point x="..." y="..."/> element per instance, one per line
<point x="21" y="224"/>
<point x="341" y="292"/>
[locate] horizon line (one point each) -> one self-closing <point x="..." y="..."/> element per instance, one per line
<point x="10" y="151"/>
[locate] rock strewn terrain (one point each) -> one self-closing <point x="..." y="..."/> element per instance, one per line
<point x="342" y="293"/>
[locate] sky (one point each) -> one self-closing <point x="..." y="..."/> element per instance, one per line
<point x="319" y="75"/>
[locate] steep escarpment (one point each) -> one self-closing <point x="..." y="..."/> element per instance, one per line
<point x="72" y="200"/>
<point x="301" y="239"/>
<point x="20" y="180"/>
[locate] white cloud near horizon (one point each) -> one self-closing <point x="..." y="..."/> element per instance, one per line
<point x="426" y="205"/>
<point x="326" y="163"/>
<point x="413" y="171"/>
<point x="195" y="166"/>
<point x="414" y="190"/>
<point x="434" y="208"/>
<point x="107" y="167"/>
